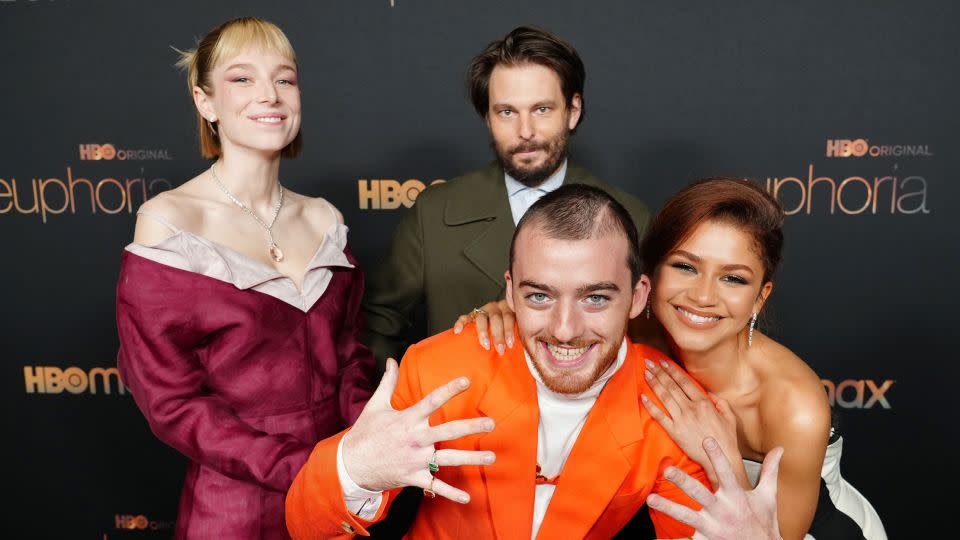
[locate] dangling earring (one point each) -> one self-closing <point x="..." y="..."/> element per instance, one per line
<point x="753" y="322"/>
<point x="649" y="301"/>
<point x="211" y="126"/>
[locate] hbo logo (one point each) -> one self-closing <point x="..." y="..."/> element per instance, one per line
<point x="388" y="194"/>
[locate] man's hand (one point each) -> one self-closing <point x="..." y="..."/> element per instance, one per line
<point x="731" y="513"/>
<point x="387" y="449"/>
<point x="494" y="320"/>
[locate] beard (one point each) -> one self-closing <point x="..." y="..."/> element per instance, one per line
<point x="571" y="382"/>
<point x="532" y="176"/>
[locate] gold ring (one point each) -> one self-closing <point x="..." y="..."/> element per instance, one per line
<point x="428" y="492"/>
<point x="477" y="311"/>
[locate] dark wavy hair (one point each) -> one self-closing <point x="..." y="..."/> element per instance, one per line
<point x="527" y="44"/>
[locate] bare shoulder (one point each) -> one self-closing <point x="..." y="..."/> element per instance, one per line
<point x="178" y="208"/>
<point x="317" y="211"/>
<point x="793" y="405"/>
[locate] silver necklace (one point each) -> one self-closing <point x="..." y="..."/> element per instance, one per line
<point x="275" y="253"/>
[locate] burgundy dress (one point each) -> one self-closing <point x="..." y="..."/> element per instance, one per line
<point x="240" y="371"/>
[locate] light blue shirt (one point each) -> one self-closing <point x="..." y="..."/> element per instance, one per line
<point x="522" y="197"/>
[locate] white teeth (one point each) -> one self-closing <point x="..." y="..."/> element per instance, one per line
<point x="566" y="353"/>
<point x="269" y="119"/>
<point x="697" y="318"/>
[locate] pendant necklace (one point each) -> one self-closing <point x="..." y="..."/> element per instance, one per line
<point x="275" y="253"/>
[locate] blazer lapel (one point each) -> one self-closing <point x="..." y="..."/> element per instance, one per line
<point x="511" y="400"/>
<point x="484" y="199"/>
<point x="597" y="465"/>
<point x="490" y="251"/>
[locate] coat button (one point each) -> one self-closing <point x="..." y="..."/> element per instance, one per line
<point x="347" y="527"/>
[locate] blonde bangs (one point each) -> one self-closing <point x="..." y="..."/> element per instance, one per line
<point x="250" y="34"/>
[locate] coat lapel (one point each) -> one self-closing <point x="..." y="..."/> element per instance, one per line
<point x="597" y="465"/>
<point x="511" y="400"/>
<point x="484" y="199"/>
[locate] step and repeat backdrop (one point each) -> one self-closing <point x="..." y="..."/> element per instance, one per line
<point x="846" y="111"/>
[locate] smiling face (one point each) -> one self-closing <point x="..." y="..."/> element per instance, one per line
<point x="708" y="287"/>
<point x="572" y="300"/>
<point x="254" y="100"/>
<point x="529" y="120"/>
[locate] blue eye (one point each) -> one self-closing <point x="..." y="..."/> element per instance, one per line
<point x="597" y="299"/>
<point x="537" y="297"/>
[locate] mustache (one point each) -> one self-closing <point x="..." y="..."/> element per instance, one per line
<point x="528" y="147"/>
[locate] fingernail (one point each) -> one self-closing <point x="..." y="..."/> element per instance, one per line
<point x="670" y="473"/>
<point x="644" y="398"/>
<point x="500" y="348"/>
<point x="486" y="343"/>
<point x="648" y="375"/>
<point x="710" y="443"/>
<point x="664" y="364"/>
<point x="489" y="459"/>
<point x="510" y="342"/>
<point x="464" y="499"/>
<point x="489" y="425"/>
<point x="462" y="382"/>
<point x="456" y="329"/>
<point x="650" y="363"/>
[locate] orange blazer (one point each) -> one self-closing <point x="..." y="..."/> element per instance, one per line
<point x="617" y="460"/>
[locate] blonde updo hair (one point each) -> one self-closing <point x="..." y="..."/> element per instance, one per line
<point x="224" y="42"/>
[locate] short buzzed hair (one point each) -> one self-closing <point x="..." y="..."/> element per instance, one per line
<point x="579" y="212"/>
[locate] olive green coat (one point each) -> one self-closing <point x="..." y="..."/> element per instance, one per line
<point x="450" y="251"/>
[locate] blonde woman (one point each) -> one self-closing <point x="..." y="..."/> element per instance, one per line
<point x="237" y="304"/>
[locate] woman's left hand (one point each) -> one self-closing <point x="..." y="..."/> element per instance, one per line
<point x="691" y="416"/>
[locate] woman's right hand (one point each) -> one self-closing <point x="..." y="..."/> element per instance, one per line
<point x="494" y="320"/>
<point x="689" y="416"/>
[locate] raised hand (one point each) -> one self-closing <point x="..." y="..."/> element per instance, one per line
<point x="387" y="449"/>
<point x="494" y="320"/>
<point x="731" y="513"/>
<point x="691" y="416"/>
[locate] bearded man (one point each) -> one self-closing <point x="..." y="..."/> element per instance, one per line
<point x="449" y="251"/>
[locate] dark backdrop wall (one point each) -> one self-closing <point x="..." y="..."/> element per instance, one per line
<point x="848" y="111"/>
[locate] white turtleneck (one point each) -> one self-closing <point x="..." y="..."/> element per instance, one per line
<point x="561" y="418"/>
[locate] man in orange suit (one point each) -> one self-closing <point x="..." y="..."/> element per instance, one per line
<point x="550" y="440"/>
